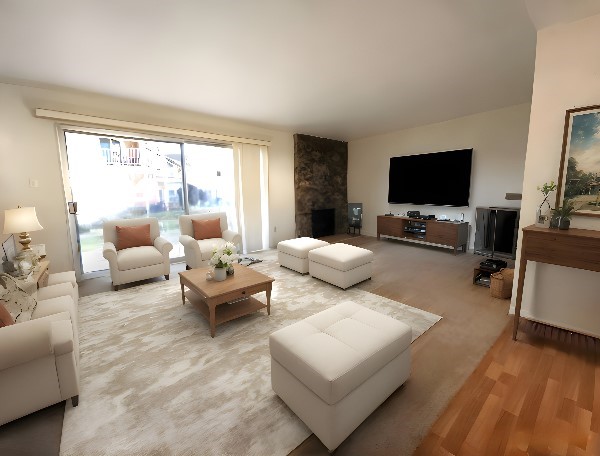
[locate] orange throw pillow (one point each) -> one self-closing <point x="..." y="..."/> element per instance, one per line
<point x="5" y="317"/>
<point x="133" y="236"/>
<point x="207" y="229"/>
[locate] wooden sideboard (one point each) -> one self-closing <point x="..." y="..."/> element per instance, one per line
<point x="452" y="234"/>
<point x="574" y="248"/>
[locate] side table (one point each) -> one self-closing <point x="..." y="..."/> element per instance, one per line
<point x="40" y="275"/>
<point x="573" y="248"/>
<point x="37" y="279"/>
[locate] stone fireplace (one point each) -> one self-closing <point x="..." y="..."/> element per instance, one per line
<point x="320" y="182"/>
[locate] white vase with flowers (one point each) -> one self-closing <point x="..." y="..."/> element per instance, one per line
<point x="222" y="259"/>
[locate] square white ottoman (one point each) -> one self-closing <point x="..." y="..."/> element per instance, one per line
<point x="334" y="368"/>
<point x="293" y="253"/>
<point x="340" y="264"/>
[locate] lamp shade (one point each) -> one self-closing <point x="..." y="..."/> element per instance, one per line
<point x="21" y="220"/>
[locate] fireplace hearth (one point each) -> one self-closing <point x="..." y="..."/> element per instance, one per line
<point x="323" y="222"/>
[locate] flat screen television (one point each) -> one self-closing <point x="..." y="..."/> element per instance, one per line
<point x="436" y="179"/>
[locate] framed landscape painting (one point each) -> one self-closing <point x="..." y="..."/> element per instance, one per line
<point x="579" y="174"/>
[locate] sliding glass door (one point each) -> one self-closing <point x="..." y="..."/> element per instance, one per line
<point x="210" y="180"/>
<point x="114" y="176"/>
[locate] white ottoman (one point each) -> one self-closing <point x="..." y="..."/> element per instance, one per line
<point x="340" y="264"/>
<point x="335" y="368"/>
<point x="65" y="277"/>
<point x="293" y="253"/>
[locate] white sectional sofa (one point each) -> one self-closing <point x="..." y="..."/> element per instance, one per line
<point x="39" y="358"/>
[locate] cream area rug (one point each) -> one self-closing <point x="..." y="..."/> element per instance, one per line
<point x="153" y="381"/>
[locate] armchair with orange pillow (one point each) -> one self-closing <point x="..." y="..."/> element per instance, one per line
<point x="135" y="251"/>
<point x="200" y="233"/>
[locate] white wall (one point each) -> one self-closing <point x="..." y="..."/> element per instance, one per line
<point x="499" y="140"/>
<point x="567" y="75"/>
<point x="29" y="149"/>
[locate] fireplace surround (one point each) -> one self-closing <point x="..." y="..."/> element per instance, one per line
<point x="320" y="181"/>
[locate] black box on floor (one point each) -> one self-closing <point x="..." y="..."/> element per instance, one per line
<point x="492" y="264"/>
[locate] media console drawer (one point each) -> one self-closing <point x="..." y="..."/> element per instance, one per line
<point x="389" y="226"/>
<point x="443" y="233"/>
<point x="442" y="240"/>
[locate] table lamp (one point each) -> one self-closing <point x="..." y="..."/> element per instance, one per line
<point x="22" y="220"/>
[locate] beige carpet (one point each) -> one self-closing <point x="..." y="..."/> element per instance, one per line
<point x="154" y="382"/>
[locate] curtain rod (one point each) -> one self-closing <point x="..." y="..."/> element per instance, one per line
<point x="137" y="126"/>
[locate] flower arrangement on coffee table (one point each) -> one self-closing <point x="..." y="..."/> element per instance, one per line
<point x="224" y="256"/>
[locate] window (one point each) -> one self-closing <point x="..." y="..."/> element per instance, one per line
<point x="113" y="176"/>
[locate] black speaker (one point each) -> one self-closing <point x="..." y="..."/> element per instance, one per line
<point x="413" y="213"/>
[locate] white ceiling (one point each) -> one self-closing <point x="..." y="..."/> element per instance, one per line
<point x="341" y="69"/>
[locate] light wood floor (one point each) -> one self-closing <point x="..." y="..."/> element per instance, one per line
<point x="539" y="395"/>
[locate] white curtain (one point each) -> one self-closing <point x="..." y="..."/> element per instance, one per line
<point x="251" y="167"/>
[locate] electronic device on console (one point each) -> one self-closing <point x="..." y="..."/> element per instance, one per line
<point x="425" y="217"/>
<point x="416" y="227"/>
<point x="413" y="214"/>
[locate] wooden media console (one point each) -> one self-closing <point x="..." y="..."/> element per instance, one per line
<point x="451" y="234"/>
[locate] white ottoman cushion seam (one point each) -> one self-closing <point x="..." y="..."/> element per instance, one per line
<point x="296" y="254"/>
<point x="379" y="357"/>
<point x="342" y="279"/>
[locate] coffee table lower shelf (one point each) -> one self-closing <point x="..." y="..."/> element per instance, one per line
<point x="227" y="311"/>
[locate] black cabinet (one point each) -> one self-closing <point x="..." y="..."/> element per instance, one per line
<point x="496" y="230"/>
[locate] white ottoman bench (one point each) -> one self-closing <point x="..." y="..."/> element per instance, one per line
<point x="340" y="264"/>
<point x="335" y="368"/>
<point x="293" y="253"/>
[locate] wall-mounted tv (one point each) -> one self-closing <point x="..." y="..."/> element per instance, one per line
<point x="436" y="179"/>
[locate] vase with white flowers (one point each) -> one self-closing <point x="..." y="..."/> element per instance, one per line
<point x="222" y="259"/>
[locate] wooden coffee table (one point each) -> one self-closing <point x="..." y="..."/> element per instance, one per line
<point x="220" y="302"/>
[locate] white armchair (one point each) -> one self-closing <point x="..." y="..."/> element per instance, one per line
<point x="136" y="263"/>
<point x="198" y="252"/>
<point x="39" y="358"/>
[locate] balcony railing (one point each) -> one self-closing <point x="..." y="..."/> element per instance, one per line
<point x="133" y="156"/>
